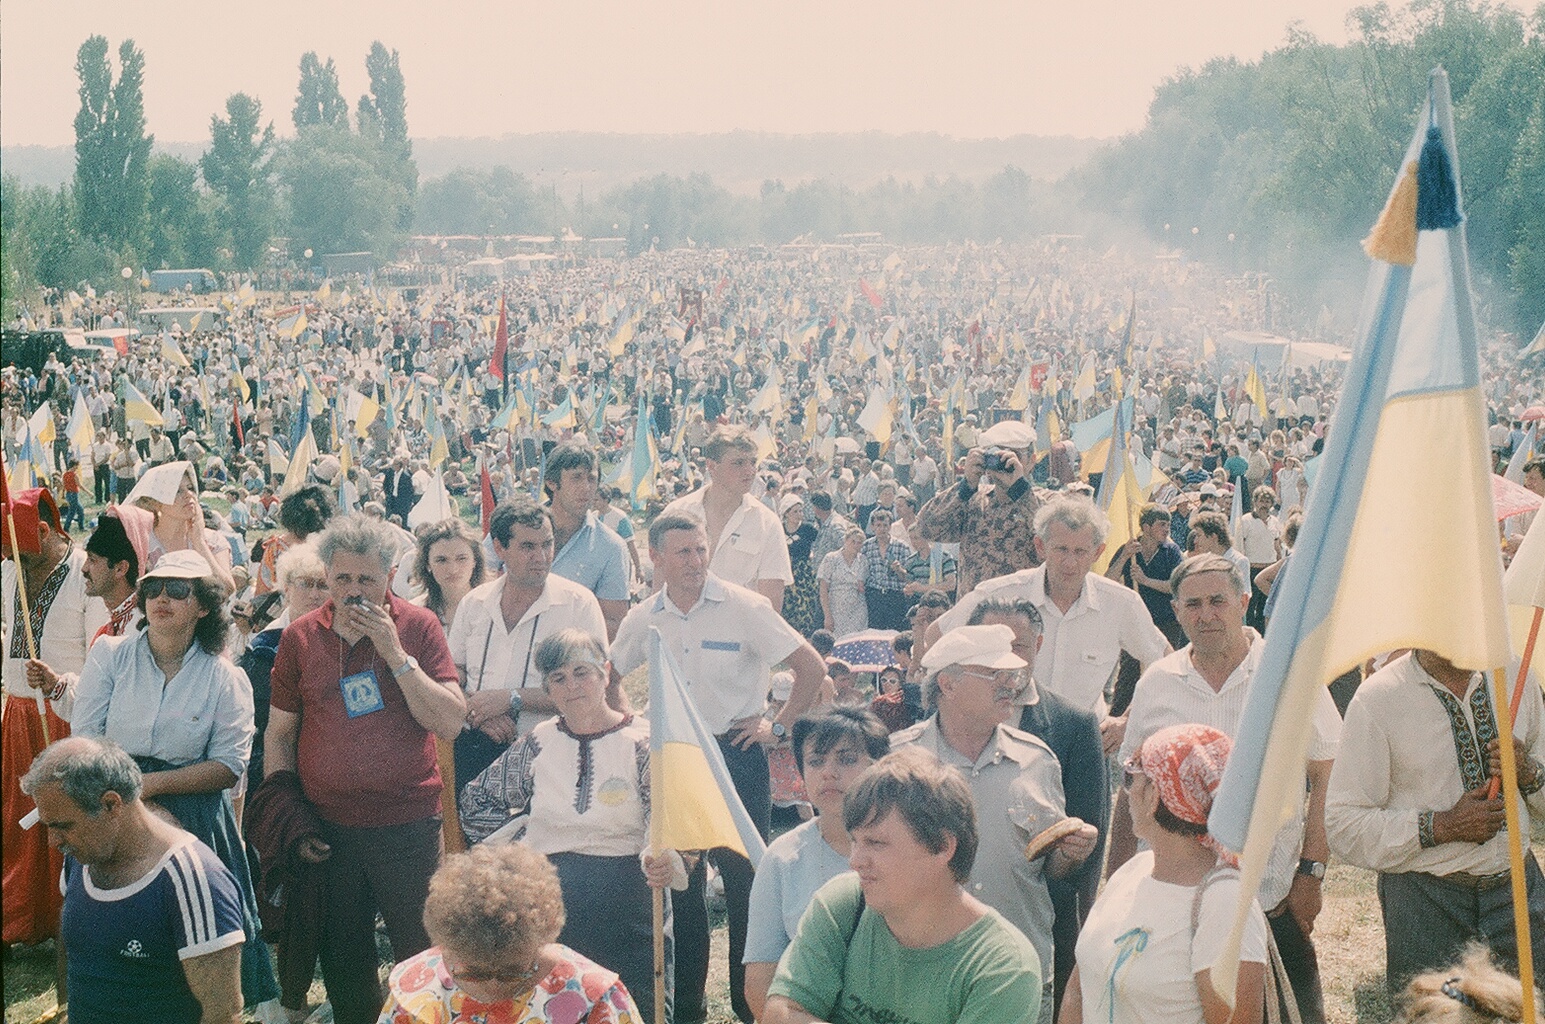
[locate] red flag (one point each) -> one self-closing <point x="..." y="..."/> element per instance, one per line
<point x="237" y="433"/>
<point x="488" y="496"/>
<point x="121" y="344"/>
<point x="501" y="344"/>
<point x="869" y="293"/>
<point x="1038" y="372"/>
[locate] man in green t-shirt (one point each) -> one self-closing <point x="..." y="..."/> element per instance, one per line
<point x="901" y="941"/>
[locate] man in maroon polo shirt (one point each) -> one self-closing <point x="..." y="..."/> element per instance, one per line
<point x="361" y="687"/>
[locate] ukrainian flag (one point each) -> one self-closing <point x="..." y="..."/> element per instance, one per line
<point x="693" y="803"/>
<point x="1120" y="494"/>
<point x="137" y="407"/>
<point x="1403" y="498"/>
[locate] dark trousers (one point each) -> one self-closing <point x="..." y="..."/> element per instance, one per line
<point x="101" y="483"/>
<point x="1428" y="919"/>
<point x="1303" y="966"/>
<point x="887" y="608"/>
<point x="371" y="869"/>
<point x="125" y="485"/>
<point x="748" y="770"/>
<point x="1255" y="613"/>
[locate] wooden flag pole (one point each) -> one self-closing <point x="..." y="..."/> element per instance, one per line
<point x="1518" y="683"/>
<point x="1523" y="665"/>
<point x="657" y="896"/>
<point x="1515" y="840"/>
<point x="26" y="614"/>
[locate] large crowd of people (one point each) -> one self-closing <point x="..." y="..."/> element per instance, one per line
<point x="338" y="596"/>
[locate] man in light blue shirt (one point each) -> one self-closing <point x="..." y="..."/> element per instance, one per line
<point x="588" y="551"/>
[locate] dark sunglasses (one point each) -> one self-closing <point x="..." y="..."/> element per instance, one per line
<point x="176" y="589"/>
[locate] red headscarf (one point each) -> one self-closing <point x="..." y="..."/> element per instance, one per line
<point x="1185" y="763"/>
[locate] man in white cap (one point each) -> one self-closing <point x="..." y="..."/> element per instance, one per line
<point x="991" y="510"/>
<point x="1015" y="779"/>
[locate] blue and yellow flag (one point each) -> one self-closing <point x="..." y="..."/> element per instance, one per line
<point x="137" y="407"/>
<point x="1403" y="498"/>
<point x="692" y="800"/>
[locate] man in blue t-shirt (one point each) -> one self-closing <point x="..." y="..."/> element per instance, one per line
<point x="151" y="916"/>
<point x="1146" y="563"/>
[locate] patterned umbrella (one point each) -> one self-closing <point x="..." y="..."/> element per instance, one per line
<point x="868" y="650"/>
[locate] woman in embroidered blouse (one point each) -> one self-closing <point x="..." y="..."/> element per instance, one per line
<point x="494" y="915"/>
<point x="166" y="695"/>
<point x="578" y="788"/>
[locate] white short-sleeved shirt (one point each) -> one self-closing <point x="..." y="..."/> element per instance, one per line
<point x="1173" y="692"/>
<point x="1137" y="954"/>
<point x="494" y="658"/>
<point x="752" y="546"/>
<point x="1257" y="539"/>
<point x="1080" y="649"/>
<point x="725" y="646"/>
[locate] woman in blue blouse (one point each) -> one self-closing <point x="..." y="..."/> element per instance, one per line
<point x="184" y="712"/>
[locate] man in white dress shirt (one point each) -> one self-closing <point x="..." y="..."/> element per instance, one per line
<point x="498" y="626"/>
<point x="745" y="538"/>
<point x="1089" y="620"/>
<point x="725" y="638"/>
<point x="1409" y="798"/>
<point x="1207" y="682"/>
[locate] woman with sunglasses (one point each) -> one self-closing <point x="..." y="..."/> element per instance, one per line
<point x="184" y="713"/>
<point x="578" y="788"/>
<point x="1147" y="947"/>
<point x="494" y="915"/>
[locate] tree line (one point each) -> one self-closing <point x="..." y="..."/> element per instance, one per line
<point x="346" y="181"/>
<point x="1276" y="167"/>
<point x="1281" y="165"/>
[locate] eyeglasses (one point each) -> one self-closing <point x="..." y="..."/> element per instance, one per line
<point x="517" y="977"/>
<point x="176" y="589"/>
<point x="999" y="677"/>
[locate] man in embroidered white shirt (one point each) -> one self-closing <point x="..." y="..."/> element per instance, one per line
<point x="1410" y="798"/>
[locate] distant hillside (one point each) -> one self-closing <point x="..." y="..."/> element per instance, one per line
<point x="739" y="161"/>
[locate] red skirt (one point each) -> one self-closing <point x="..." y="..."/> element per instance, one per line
<point x="30" y="885"/>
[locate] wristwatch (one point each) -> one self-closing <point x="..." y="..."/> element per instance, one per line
<point x="517" y="703"/>
<point x="405" y="667"/>
<point x="1312" y="868"/>
<point x="779" y="731"/>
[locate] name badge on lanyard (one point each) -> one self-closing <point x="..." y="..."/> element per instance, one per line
<point x="362" y="693"/>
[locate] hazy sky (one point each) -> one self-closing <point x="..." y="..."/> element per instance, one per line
<point x="970" y="68"/>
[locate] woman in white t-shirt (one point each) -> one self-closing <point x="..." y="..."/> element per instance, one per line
<point x="1139" y="958"/>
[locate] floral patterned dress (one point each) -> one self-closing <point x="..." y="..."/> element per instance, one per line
<point x="575" y="991"/>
